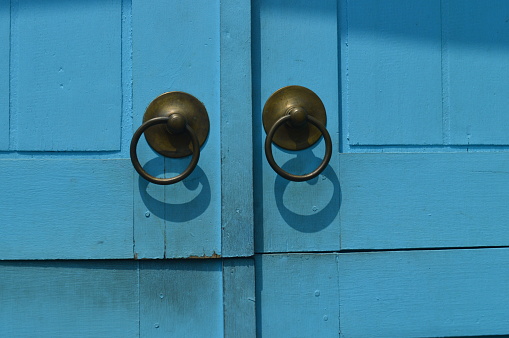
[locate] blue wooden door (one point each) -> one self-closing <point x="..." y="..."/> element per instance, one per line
<point x="405" y="233"/>
<point x="87" y="247"/>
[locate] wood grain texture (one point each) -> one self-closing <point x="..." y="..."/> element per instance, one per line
<point x="69" y="299"/>
<point x="239" y="297"/>
<point x="424" y="293"/>
<point x="393" y="77"/>
<point x="236" y="130"/>
<point x="477" y="38"/>
<point x="424" y="200"/>
<point x="5" y="48"/>
<point x="297" y="295"/>
<point x="181" y="298"/>
<point x="66" y="209"/>
<point x="186" y="59"/>
<point x="68" y="78"/>
<point x="295" y="43"/>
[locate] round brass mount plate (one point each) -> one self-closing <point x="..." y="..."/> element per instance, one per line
<point x="278" y="105"/>
<point x="176" y="145"/>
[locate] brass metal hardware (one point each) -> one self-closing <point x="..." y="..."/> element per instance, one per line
<point x="298" y="134"/>
<point x="176" y="124"/>
<point x="294" y="118"/>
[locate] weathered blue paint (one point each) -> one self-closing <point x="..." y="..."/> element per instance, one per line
<point x="422" y="200"/>
<point x="295" y="43"/>
<point x="5" y="29"/>
<point x="69" y="299"/>
<point x="403" y="77"/>
<point x="297" y="295"/>
<point x="393" y="83"/>
<point x="236" y="130"/>
<point x="424" y="293"/>
<point x="70" y="191"/>
<point x="476" y="68"/>
<point x="212" y="209"/>
<point x="427" y="80"/>
<point x="424" y="76"/>
<point x="239" y="297"/>
<point x="66" y="209"/>
<point x="68" y="81"/>
<point x="181" y="298"/>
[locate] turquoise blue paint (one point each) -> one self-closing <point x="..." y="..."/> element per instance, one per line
<point x="392" y="201"/>
<point x="181" y="298"/>
<point x="236" y="130"/>
<point x="68" y="76"/>
<point x="297" y="295"/>
<point x="295" y="43"/>
<point x="424" y="293"/>
<point x="188" y="214"/>
<point x="5" y="21"/>
<point x="66" y="209"/>
<point x="239" y="297"/>
<point x="424" y="77"/>
<point x="477" y="70"/>
<point x="69" y="299"/>
<point x="392" y="91"/>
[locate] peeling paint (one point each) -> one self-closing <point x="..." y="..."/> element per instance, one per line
<point x="214" y="255"/>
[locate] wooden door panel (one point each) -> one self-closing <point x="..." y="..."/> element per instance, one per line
<point x="66" y="71"/>
<point x="418" y="73"/>
<point x="76" y="79"/>
<point x="5" y="22"/>
<point x="392" y="201"/>
<point x="205" y="53"/>
<point x="69" y="299"/>
<point x="476" y="68"/>
<point x="66" y="209"/>
<point x="391" y="76"/>
<point x="197" y="298"/>
<point x="176" y="48"/>
<point x="424" y="293"/>
<point x="418" y="293"/>
<point x="295" y="43"/>
<point x="297" y="295"/>
<point x="181" y="298"/>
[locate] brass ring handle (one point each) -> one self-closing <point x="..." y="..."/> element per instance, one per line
<point x="177" y="123"/>
<point x="278" y="169"/>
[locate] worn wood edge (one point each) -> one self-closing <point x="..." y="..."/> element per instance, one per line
<point x="239" y="302"/>
<point x="237" y="214"/>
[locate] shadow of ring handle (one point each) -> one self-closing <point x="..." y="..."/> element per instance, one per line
<point x="285" y="174"/>
<point x="156" y="180"/>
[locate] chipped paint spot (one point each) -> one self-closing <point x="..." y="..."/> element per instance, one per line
<point x="214" y="255"/>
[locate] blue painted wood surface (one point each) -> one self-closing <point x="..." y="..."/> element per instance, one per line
<point x="421" y="293"/>
<point x="236" y="130"/>
<point x="67" y="89"/>
<point x="424" y="293"/>
<point x="477" y="67"/>
<point x="5" y="30"/>
<point x="394" y="72"/>
<point x="420" y="74"/>
<point x="239" y="297"/>
<point x="295" y="43"/>
<point x="424" y="200"/>
<point x="69" y="299"/>
<point x="112" y="298"/>
<point x="181" y="298"/>
<point x="297" y="295"/>
<point x="66" y="209"/>
<point x="212" y="209"/>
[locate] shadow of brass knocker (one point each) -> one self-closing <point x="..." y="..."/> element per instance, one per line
<point x="176" y="124"/>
